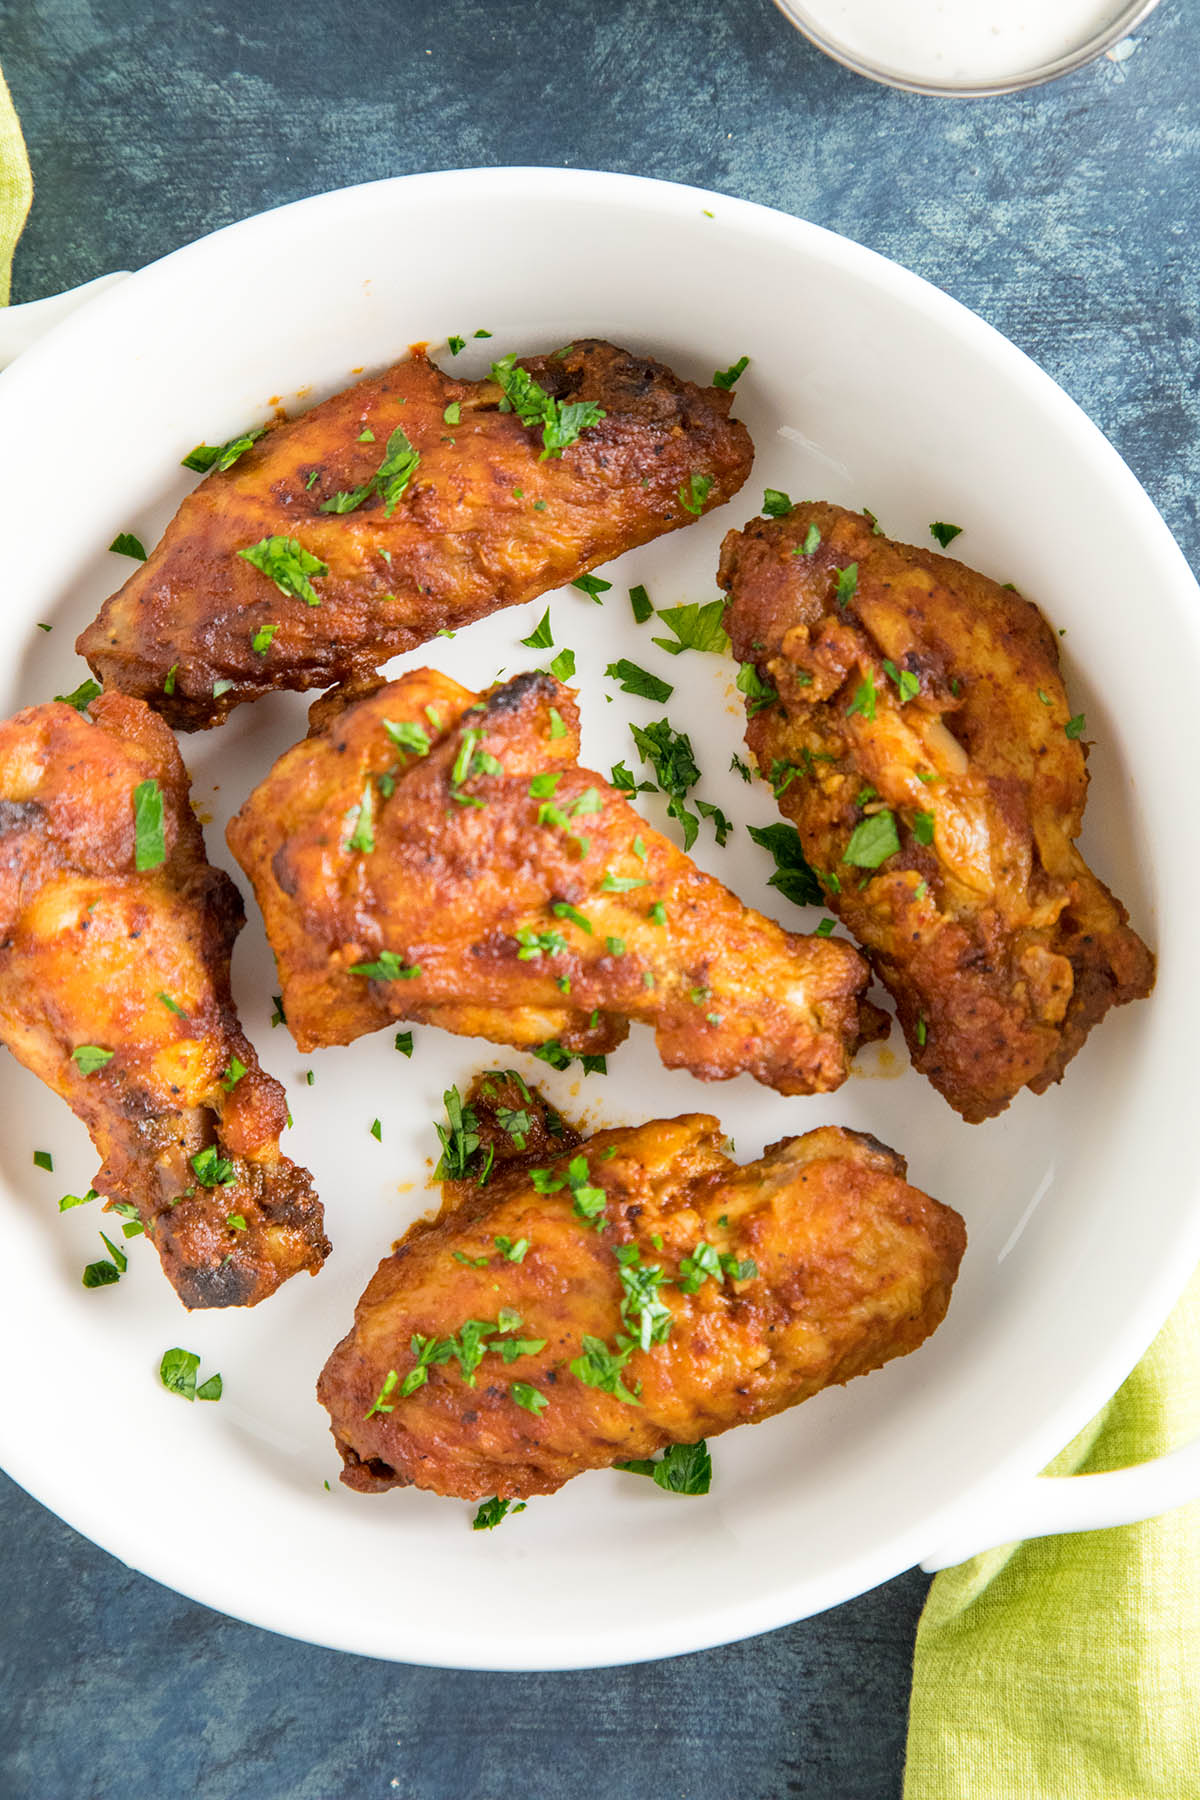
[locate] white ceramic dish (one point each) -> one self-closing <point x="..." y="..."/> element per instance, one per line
<point x="965" y="49"/>
<point x="866" y="385"/>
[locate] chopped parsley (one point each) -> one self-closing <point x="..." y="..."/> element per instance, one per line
<point x="599" y="1367"/>
<point x="408" y="736"/>
<point x="922" y="827"/>
<point x="88" y="1058"/>
<point x="455" y="344"/>
<point x="260" y="643"/>
<point x="233" y="1074"/>
<point x="693" y="496"/>
<point x="213" y="1169"/>
<point x="540" y="943"/>
<point x="846" y="583"/>
<point x="514" y="1253"/>
<point x="387" y="967"/>
<point x="695" y="627"/>
<point x="42" y="1159"/>
<point x="1077" y="726"/>
<point x="541" y="637"/>
<point x="592" y="586"/>
<point x="945" y="534"/>
<point x="557" y="728"/>
<point x="908" y="684"/>
<point x="150" y="849"/>
<point x="640" y="601"/>
<point x="669" y="753"/>
<point x="288" y="564"/>
<point x="563" y="666"/>
<point x="459" y="1140"/>
<point x="403" y="1042"/>
<point x="759" y="693"/>
<point x="493" y="1511"/>
<point x="812" y="539"/>
<point x="362" y="836"/>
<point x="526" y="1395"/>
<point x="125" y="544"/>
<point x="563" y="910"/>
<point x="864" y="698"/>
<point x="221" y="456"/>
<point x="725" y="378"/>
<point x="643" y="1309"/>
<point x="169" y="679"/>
<point x="682" y="1469"/>
<point x="453" y="413"/>
<point x="171" y="1005"/>
<point x="380" y="1402"/>
<point x="560" y="421"/>
<point x="872" y="841"/>
<point x="87" y="691"/>
<point x="776" y="504"/>
<point x="738" y="767"/>
<point x="71" y="1200"/>
<point x="177" y="1372"/>
<point x="634" y="680"/>
<point x="794" y="876"/>
<point x="922" y="1032"/>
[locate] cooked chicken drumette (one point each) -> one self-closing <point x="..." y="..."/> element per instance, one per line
<point x="914" y="725"/>
<point x="597" y="1301"/>
<point x="114" y="989"/>
<point x="407" y="504"/>
<point x="437" y="856"/>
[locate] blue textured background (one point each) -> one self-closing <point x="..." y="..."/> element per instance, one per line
<point x="1068" y="217"/>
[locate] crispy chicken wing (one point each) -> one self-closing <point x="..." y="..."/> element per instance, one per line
<point x="114" y="989"/>
<point x="923" y="744"/>
<point x="441" y="857"/>
<point x="608" y="1299"/>
<point x="375" y="551"/>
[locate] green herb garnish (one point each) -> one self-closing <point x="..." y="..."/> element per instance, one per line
<point x="288" y="564"/>
<point x="150" y="849"/>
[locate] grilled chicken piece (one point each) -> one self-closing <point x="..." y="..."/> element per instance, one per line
<point x="440" y="857"/>
<point x="114" y="989"/>
<point x="924" y="746"/>
<point x="606" y="1300"/>
<point x="486" y="518"/>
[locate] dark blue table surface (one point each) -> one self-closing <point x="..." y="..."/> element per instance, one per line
<point x="1069" y="218"/>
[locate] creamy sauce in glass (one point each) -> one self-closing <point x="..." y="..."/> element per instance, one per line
<point x="960" y="40"/>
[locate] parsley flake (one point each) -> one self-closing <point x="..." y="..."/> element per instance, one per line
<point x="776" y="504"/>
<point x="288" y="564"/>
<point x="150" y="849"/>
<point x="696" y="628"/>
<point x="641" y="603"/>
<point x="88" y="1058"/>
<point x="725" y="378"/>
<point x="693" y="496"/>
<point x="541" y="637"/>
<point x="682" y="1469"/>
<point x="221" y="456"/>
<point x="872" y="841"/>
<point x="635" y="680"/>
<point x="387" y="967"/>
<point x="125" y="544"/>
<point x="945" y="534"/>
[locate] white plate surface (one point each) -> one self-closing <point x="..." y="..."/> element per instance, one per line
<point x="865" y="386"/>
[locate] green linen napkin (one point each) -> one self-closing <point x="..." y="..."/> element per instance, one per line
<point x="1068" y="1668"/>
<point x="16" y="186"/>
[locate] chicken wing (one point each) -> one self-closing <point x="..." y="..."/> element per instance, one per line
<point x="636" y="1291"/>
<point x="409" y="503"/>
<point x="912" y="720"/>
<point x="114" y="989"/>
<point x="440" y="857"/>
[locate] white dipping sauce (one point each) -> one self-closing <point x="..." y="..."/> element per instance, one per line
<point x="959" y="40"/>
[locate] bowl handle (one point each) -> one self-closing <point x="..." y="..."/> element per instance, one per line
<point x="1045" y="1505"/>
<point x="20" y="326"/>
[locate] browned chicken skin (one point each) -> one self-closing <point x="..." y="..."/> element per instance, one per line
<point x="103" y="963"/>
<point x="814" y="1264"/>
<point x="504" y="892"/>
<point x="1000" y="946"/>
<point x="483" y="522"/>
